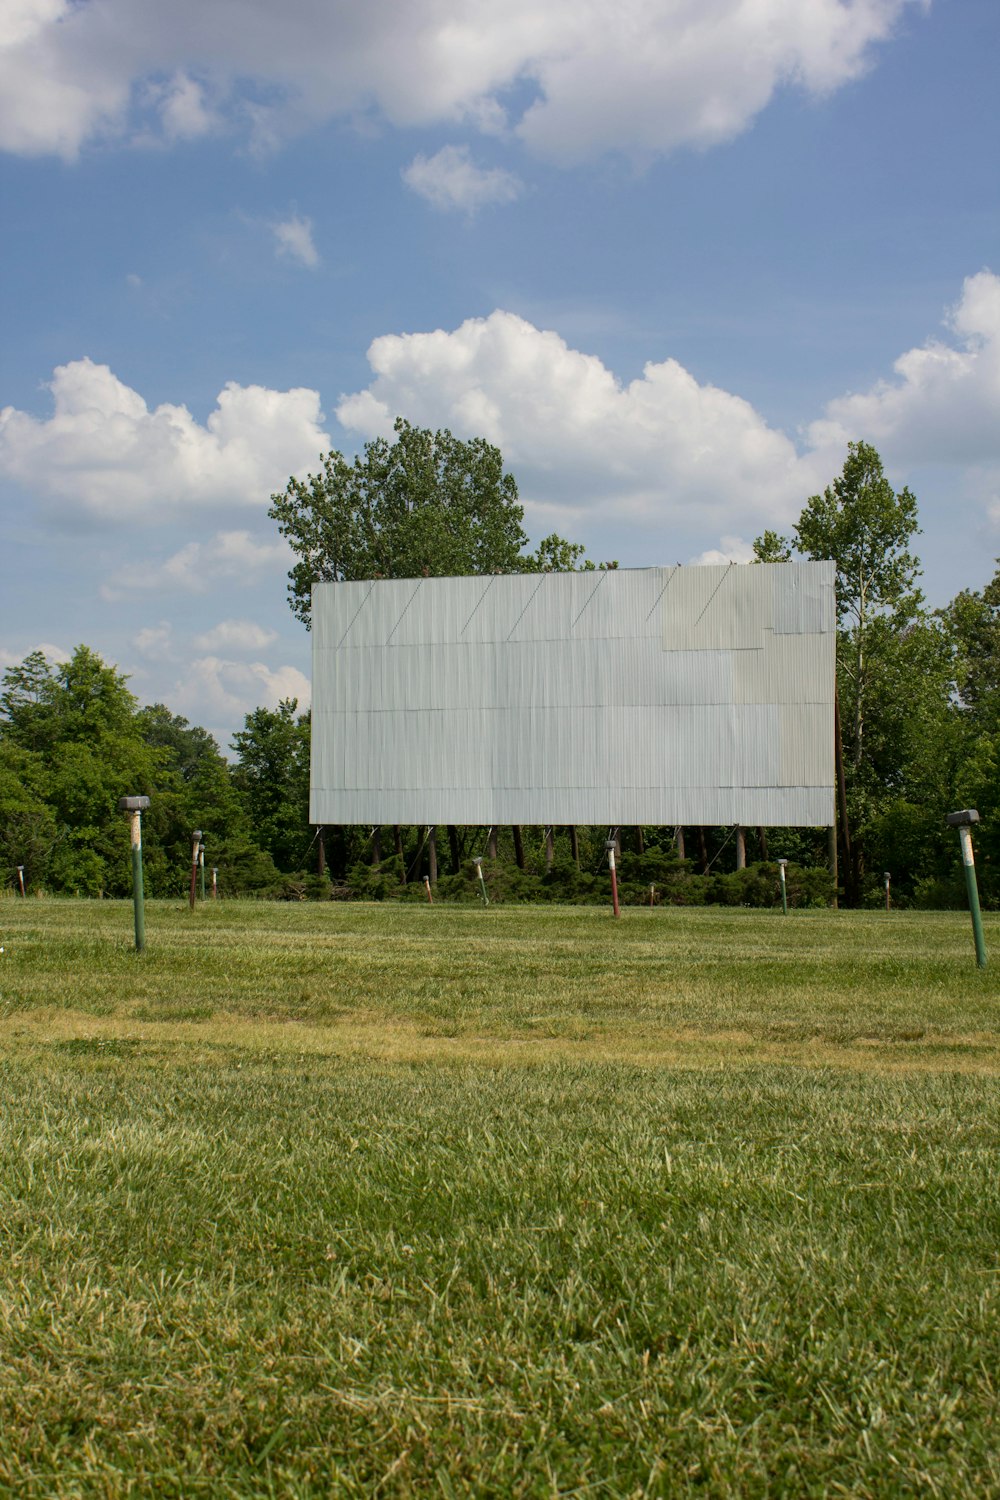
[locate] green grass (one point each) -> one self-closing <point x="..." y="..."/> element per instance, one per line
<point x="351" y="1200"/>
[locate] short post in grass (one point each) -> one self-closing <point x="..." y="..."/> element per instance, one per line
<point x="784" y="889"/>
<point x="652" y="893"/>
<point x="478" y="862"/>
<point x="135" y="807"/>
<point x="886" y="876"/>
<point x="610" y="847"/>
<point x="195" y="846"/>
<point x="964" y="821"/>
<point x="427" y="888"/>
<point x="215" y="883"/>
<point x="20" y="879"/>
<point x="201" y="870"/>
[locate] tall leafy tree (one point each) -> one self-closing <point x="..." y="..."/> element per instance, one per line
<point x="72" y="741"/>
<point x="272" y="776"/>
<point x="866" y="528"/>
<point x="427" y="504"/>
<point x="973" y="618"/>
<point x="74" y="727"/>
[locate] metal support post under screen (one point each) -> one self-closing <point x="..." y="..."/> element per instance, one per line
<point x="610" y="847"/>
<point x="887" y="877"/>
<point x="20" y="879"/>
<point x="784" y="890"/>
<point x="964" y="821"/>
<point x="478" y="862"/>
<point x="201" y="870"/>
<point x="135" y="807"/>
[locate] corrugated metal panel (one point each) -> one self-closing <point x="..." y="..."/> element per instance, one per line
<point x="696" y="695"/>
<point x="714" y="608"/>
<point x="786" y="669"/>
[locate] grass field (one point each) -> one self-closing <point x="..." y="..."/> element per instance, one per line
<point x="323" y="1200"/>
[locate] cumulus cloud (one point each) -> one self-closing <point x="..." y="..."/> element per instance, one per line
<point x="644" y="75"/>
<point x="669" y="449"/>
<point x="103" y="455"/>
<point x="230" y="556"/>
<point x="294" y="240"/>
<point x="156" y="642"/>
<point x="235" y="635"/>
<point x="944" y="404"/>
<point x="663" y="447"/>
<point x="217" y="690"/>
<point x="183" y="109"/>
<point x="54" y="655"/>
<point x="731" y="549"/>
<point x="451" y="180"/>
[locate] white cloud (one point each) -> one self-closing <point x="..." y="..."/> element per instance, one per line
<point x="182" y="107"/>
<point x="944" y="405"/>
<point x="235" y="635"/>
<point x="731" y="549"/>
<point x="662" y="448"/>
<point x="451" y="180"/>
<point x="105" y="456"/>
<point x="54" y="655"/>
<point x="216" y="690"/>
<point x="231" y="556"/>
<point x="156" y="642"/>
<point x="669" y="450"/>
<point x="294" y="239"/>
<point x="636" y="75"/>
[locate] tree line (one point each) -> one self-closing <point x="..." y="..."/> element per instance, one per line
<point x="918" y="722"/>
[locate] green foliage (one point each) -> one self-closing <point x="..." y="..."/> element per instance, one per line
<point x="772" y="548"/>
<point x="72" y="742"/>
<point x="895" y="665"/>
<point x="272" y="777"/>
<point x="865" y="527"/>
<point x="426" y="505"/>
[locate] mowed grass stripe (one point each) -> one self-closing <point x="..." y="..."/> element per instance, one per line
<point x="839" y="976"/>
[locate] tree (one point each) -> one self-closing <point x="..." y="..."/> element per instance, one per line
<point x="973" y="618"/>
<point x="272" y="776"/>
<point x="865" y="527"/>
<point x="72" y="741"/>
<point x="74" y="725"/>
<point x="771" y="548"/>
<point x="428" y="504"/>
<point x="861" y="524"/>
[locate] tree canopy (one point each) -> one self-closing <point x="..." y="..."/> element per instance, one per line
<point x="428" y="504"/>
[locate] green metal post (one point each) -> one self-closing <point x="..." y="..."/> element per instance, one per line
<point x="968" y="860"/>
<point x="138" y="900"/>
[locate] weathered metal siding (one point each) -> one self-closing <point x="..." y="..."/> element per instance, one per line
<point x="659" y="695"/>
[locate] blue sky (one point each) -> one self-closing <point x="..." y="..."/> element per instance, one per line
<point x="670" y="255"/>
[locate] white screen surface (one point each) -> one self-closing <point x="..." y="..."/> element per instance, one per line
<point x="656" y="695"/>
